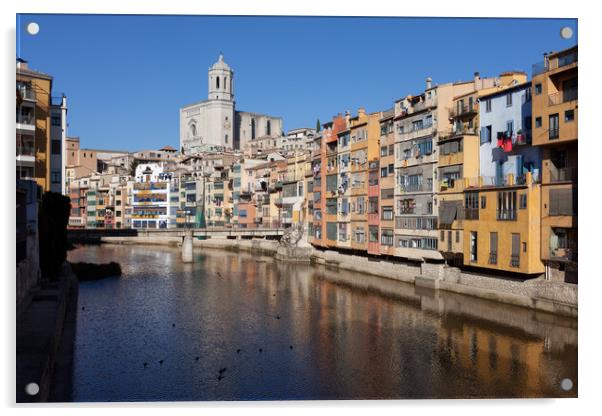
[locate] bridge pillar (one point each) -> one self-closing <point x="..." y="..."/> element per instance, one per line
<point x="187" y="247"/>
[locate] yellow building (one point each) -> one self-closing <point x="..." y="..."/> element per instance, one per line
<point x="555" y="117"/>
<point x="501" y="227"/>
<point x="34" y="91"/>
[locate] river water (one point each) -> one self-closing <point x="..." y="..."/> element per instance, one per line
<point x="278" y="331"/>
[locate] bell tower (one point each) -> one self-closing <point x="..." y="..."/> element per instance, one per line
<point x="220" y="78"/>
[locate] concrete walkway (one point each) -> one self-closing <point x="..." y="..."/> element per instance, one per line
<point x="45" y="335"/>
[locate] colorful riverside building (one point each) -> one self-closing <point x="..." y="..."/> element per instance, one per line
<point x="386" y="183"/>
<point x="328" y="180"/>
<point x="555" y="110"/>
<point x="419" y="122"/>
<point x="502" y="206"/>
<point x="458" y="158"/>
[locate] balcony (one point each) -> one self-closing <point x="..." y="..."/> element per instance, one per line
<point x="423" y="187"/>
<point x="564" y="96"/>
<point x="563" y="60"/>
<point x="563" y="254"/>
<point x="464" y="110"/>
<point x="492" y="258"/>
<point x="416" y="132"/>
<point x="515" y="260"/>
<point x="27" y="93"/>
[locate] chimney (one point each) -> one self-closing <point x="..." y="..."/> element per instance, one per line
<point x="546" y="61"/>
<point x="21" y="63"/>
<point x="347" y="117"/>
<point x="361" y="112"/>
<point x="429" y="83"/>
<point x="477" y="81"/>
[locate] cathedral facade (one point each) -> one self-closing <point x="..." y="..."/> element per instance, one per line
<point x="215" y="123"/>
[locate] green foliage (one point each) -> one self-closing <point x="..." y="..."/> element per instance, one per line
<point x="53" y="217"/>
<point x="318" y="126"/>
<point x="133" y="167"/>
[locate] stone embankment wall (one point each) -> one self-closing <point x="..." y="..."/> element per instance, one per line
<point x="538" y="294"/>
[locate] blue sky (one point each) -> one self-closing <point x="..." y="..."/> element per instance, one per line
<point x="127" y="76"/>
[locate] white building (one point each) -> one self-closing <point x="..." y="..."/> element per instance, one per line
<point x="150" y="196"/>
<point x="214" y="123"/>
<point x="505" y="127"/>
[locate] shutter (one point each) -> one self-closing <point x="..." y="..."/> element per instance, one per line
<point x="515" y="244"/>
<point x="492" y="243"/>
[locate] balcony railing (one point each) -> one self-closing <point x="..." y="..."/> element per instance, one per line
<point x="506" y="215"/>
<point x="569" y="94"/>
<point x="423" y="187"/>
<point x="567" y="174"/>
<point x="514" y="260"/>
<point x="553" y="133"/>
<point x="492" y="258"/>
<point x="563" y="254"/>
<point x="25" y="151"/>
<point x="563" y="60"/>
<point x="25" y="119"/>
<point x="27" y="93"/>
<point x="456" y="111"/>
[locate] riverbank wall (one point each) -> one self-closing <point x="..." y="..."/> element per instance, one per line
<point x="537" y="294"/>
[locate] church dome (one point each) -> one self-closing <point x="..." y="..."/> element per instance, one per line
<point x="220" y="64"/>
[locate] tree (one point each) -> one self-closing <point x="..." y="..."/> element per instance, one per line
<point x="318" y="125"/>
<point x="182" y="150"/>
<point x="133" y="167"/>
<point x="53" y="217"/>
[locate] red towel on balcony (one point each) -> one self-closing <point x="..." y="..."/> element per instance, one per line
<point x="507" y="144"/>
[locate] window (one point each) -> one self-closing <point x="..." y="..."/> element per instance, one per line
<point x="55" y="177"/>
<point x="56" y="121"/>
<point x="486" y="134"/>
<point x="383" y="172"/>
<point x="217" y="82"/>
<point x="442" y="235"/>
<point x="268" y="128"/>
<point x="457" y="236"/>
<point x="387" y="214"/>
<point x="488" y="106"/>
<point x="522" y="202"/>
<point x="537" y="122"/>
<point x="508" y="99"/>
<point x="386" y="238"/>
<point x="384" y="151"/>
<point x="483" y="201"/>
<point x="569" y="115"/>
<point x="373" y="234"/>
<point x="331" y="230"/>
<point x="391" y="168"/>
<point x="506" y="208"/>
<point x="473" y="246"/>
<point x="537" y="89"/>
<point x="252" y="129"/>
<point x="360" y="235"/>
<point x="492" y="248"/>
<point x="509" y="127"/>
<point x="471" y="205"/>
<point x="553" y="133"/>
<point x="56" y="147"/>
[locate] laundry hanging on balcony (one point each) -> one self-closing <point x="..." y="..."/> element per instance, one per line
<point x="507" y="144"/>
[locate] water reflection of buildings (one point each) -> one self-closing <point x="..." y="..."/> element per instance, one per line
<point x="353" y="336"/>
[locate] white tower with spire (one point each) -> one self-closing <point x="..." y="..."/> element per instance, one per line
<point x="220" y="78"/>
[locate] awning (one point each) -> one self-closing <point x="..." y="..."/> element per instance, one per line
<point x="447" y="214"/>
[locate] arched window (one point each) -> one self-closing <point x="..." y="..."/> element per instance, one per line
<point x="252" y="129"/>
<point x="225" y="82"/>
<point x="217" y="82"/>
<point x="268" y="128"/>
<point x="193" y="130"/>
